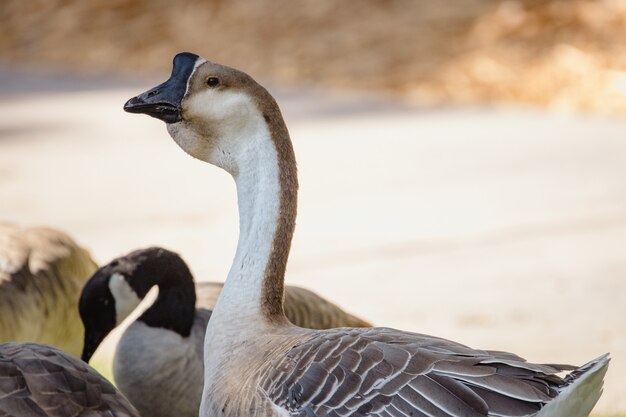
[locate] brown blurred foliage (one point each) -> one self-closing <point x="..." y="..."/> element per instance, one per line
<point x="566" y="53"/>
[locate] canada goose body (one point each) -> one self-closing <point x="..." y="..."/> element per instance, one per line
<point x="261" y="365"/>
<point x="42" y="381"/>
<point x="160" y="371"/>
<point x="42" y="272"/>
<point x="158" y="363"/>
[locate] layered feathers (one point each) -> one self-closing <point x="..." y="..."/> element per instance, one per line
<point x="390" y="373"/>
<point x="41" y="381"/>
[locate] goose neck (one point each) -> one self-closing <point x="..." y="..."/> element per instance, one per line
<point x="266" y="182"/>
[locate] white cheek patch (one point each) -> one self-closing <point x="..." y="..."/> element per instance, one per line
<point x="223" y="108"/>
<point x="126" y="299"/>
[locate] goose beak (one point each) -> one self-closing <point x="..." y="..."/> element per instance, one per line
<point x="92" y="341"/>
<point x="160" y="102"/>
<point x="165" y="101"/>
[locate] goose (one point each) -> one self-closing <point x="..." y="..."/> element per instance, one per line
<point x="159" y="359"/>
<point x="262" y="365"/>
<point x="42" y="381"/>
<point x="42" y="271"/>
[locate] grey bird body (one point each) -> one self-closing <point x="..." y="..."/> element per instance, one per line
<point x="159" y="371"/>
<point x="42" y="272"/>
<point x="162" y="373"/>
<point x="42" y="381"/>
<point x="389" y="373"/>
<point x="386" y="372"/>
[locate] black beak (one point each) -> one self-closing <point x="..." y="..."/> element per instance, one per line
<point x="92" y="341"/>
<point x="164" y="101"/>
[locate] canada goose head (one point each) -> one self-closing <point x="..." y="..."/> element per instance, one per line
<point x="118" y="287"/>
<point x="212" y="111"/>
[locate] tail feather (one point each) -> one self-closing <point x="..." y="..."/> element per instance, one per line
<point x="581" y="392"/>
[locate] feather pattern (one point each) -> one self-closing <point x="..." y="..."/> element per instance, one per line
<point x="41" y="381"/>
<point x="386" y="372"/>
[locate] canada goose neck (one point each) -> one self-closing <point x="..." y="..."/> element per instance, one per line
<point x="174" y="309"/>
<point x="267" y="197"/>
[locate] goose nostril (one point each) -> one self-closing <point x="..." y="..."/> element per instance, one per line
<point x="153" y="93"/>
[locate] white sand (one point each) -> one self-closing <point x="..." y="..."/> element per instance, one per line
<point x="502" y="229"/>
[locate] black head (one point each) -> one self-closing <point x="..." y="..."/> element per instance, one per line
<point x="109" y="296"/>
<point x="97" y="311"/>
<point x="117" y="288"/>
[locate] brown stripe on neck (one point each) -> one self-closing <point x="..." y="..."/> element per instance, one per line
<point x="274" y="281"/>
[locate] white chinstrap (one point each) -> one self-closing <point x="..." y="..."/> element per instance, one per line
<point x="126" y="299"/>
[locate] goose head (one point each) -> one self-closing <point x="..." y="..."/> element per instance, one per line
<point x="212" y="111"/>
<point x="117" y="288"/>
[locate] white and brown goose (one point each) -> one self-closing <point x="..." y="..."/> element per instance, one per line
<point x="42" y="272"/>
<point x="42" y="381"/>
<point x="262" y="365"/>
<point x="158" y="363"/>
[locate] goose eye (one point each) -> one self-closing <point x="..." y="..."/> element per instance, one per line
<point x="212" y="81"/>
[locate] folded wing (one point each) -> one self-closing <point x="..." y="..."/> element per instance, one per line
<point x="389" y="373"/>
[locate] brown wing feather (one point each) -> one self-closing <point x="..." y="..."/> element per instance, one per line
<point x="38" y="380"/>
<point x="386" y="372"/>
<point x="303" y="308"/>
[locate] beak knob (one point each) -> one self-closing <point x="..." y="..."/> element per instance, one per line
<point x="164" y="101"/>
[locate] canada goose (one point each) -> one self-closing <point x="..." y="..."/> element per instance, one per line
<point x="158" y="362"/>
<point x="42" y="271"/>
<point x="42" y="381"/>
<point x="261" y="365"/>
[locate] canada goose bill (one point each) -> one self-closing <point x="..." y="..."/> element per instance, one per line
<point x="164" y="101"/>
<point x="258" y="364"/>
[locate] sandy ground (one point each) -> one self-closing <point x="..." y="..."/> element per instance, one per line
<point x="499" y="228"/>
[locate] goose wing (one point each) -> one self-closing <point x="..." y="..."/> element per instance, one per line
<point x="38" y="380"/>
<point x="305" y="308"/>
<point x="389" y="373"/>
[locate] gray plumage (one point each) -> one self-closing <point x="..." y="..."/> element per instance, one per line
<point x="161" y="372"/>
<point x="42" y="272"/>
<point x="390" y="373"/>
<point x="42" y="381"/>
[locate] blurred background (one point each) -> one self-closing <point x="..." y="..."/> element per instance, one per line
<point x="462" y="163"/>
